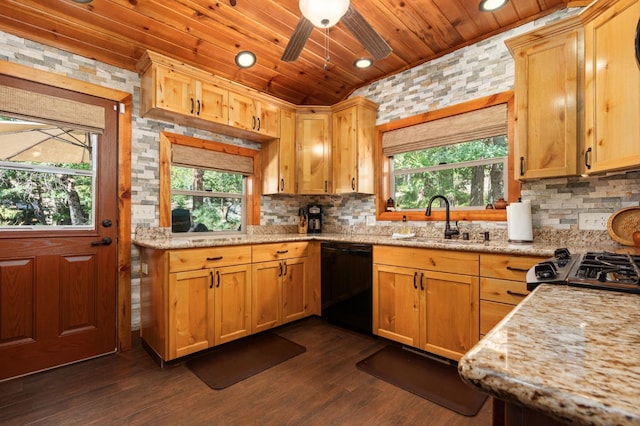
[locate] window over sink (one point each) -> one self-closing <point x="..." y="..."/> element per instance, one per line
<point x="463" y="152"/>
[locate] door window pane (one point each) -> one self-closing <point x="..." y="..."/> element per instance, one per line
<point x="46" y="175"/>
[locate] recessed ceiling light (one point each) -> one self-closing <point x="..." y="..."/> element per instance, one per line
<point x="491" y="5"/>
<point x="245" y="59"/>
<point x="83" y="1"/>
<point x="363" y="63"/>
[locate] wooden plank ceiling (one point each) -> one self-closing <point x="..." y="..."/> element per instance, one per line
<point x="208" y="34"/>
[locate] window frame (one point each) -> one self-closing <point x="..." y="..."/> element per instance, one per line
<point x="383" y="167"/>
<point x="252" y="181"/>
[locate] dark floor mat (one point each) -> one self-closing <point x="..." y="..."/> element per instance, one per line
<point x="235" y="361"/>
<point x="433" y="380"/>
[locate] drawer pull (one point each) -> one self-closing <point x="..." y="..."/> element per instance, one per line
<point x="282" y="252"/>
<point x="515" y="293"/>
<point x="214" y="258"/>
<point x="513" y="268"/>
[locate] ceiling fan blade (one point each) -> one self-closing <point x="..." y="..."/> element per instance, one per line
<point x="368" y="37"/>
<point x="298" y="40"/>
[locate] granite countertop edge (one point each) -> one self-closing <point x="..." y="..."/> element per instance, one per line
<point x="507" y="366"/>
<point x="533" y="249"/>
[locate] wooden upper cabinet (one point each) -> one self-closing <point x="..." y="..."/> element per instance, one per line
<point x="612" y="88"/>
<point x="313" y="150"/>
<point x="354" y="133"/>
<point x="245" y="112"/>
<point x="279" y="158"/>
<point x="178" y="93"/>
<point x="548" y="100"/>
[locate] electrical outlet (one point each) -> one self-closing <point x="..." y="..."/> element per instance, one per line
<point x="370" y="220"/>
<point x="593" y="221"/>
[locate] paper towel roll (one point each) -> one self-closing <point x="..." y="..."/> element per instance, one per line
<point x="519" y="222"/>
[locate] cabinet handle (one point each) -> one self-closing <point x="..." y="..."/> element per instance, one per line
<point x="217" y="278"/>
<point x="259" y="124"/>
<point x="280" y="270"/>
<point x="211" y="276"/>
<point x="214" y="258"/>
<point x="198" y="110"/>
<point x="587" y="157"/>
<point x="415" y="278"/>
<point x="285" y="269"/>
<point x="253" y="122"/>
<point x="326" y="186"/>
<point x="421" y="281"/>
<point x="282" y="252"/>
<point x="191" y="105"/>
<point x="513" y="268"/>
<point x="281" y="184"/>
<point x="353" y="184"/>
<point x="521" y="166"/>
<point x="515" y="293"/>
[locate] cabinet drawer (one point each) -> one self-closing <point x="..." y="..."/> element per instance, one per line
<point x="267" y="252"/>
<point x="491" y="313"/>
<point x="503" y="291"/>
<point x="433" y="260"/>
<point x="508" y="267"/>
<point x="210" y="257"/>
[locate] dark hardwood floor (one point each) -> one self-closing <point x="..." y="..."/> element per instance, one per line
<point x="319" y="387"/>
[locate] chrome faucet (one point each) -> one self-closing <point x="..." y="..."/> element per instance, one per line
<point x="448" y="232"/>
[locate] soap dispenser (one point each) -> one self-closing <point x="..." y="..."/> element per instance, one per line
<point x="404" y="230"/>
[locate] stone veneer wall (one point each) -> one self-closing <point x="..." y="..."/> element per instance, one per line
<point x="474" y="71"/>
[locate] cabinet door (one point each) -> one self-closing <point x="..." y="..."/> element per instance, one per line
<point x="268" y="117"/>
<point x="313" y="142"/>
<point x="345" y="147"/>
<point x="175" y="92"/>
<point x="266" y="295"/>
<point x="232" y="303"/>
<point x="294" y="290"/>
<point x="242" y="112"/>
<point x="278" y="158"/>
<point x="396" y="303"/>
<point x="451" y="314"/>
<point x="612" y="76"/>
<point x="547" y="87"/>
<point x="190" y="305"/>
<point x="212" y="103"/>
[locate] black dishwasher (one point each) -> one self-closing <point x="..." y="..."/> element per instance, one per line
<point x="346" y="277"/>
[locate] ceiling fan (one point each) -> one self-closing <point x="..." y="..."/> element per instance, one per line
<point x="325" y="14"/>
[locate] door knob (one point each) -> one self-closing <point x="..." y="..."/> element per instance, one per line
<point x="106" y="241"/>
<point x="107" y="223"/>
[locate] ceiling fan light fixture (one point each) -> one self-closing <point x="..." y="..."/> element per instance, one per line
<point x="363" y="63"/>
<point x="491" y="5"/>
<point x="245" y="59"/>
<point x="324" y="13"/>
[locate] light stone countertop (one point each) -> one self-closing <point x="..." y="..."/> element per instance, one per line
<point x="571" y="353"/>
<point x="494" y="246"/>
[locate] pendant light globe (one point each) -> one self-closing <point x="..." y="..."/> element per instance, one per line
<point x="323" y="13"/>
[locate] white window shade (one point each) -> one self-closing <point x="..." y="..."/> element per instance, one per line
<point x="196" y="157"/>
<point x="478" y="124"/>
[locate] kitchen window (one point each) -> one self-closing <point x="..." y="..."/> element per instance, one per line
<point x="206" y="186"/>
<point x="469" y="174"/>
<point x="463" y="152"/>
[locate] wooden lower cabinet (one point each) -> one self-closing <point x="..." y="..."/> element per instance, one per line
<point x="280" y="287"/>
<point x="426" y="299"/>
<point x="502" y="286"/>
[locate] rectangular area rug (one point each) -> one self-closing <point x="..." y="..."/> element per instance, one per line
<point x="428" y="378"/>
<point x="235" y="361"/>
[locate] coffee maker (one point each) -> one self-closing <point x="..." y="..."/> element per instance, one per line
<point x="314" y="214"/>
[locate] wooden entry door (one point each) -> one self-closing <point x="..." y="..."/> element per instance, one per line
<point x="58" y="283"/>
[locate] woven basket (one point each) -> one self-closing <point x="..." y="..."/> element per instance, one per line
<point x="623" y="223"/>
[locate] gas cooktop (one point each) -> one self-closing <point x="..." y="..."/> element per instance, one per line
<point x="600" y="270"/>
